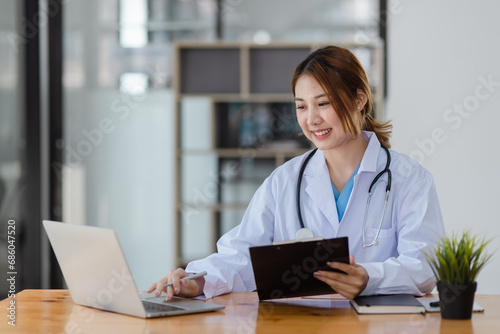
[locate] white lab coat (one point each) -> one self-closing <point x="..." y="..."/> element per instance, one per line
<point x="412" y="223"/>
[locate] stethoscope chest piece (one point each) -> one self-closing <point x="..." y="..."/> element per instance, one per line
<point x="304" y="233"/>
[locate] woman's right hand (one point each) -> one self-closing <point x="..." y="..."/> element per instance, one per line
<point x="183" y="288"/>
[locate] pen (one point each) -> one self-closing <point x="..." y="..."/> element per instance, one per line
<point x="193" y="276"/>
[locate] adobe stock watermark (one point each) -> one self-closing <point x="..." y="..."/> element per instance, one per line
<point x="120" y="109"/>
<point x="248" y="323"/>
<point x="30" y="26"/>
<point x="298" y="274"/>
<point x="104" y="297"/>
<point x="454" y="118"/>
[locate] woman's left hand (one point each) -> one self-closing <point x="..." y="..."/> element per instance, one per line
<point x="350" y="284"/>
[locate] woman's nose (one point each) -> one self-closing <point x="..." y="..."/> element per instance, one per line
<point x="313" y="117"/>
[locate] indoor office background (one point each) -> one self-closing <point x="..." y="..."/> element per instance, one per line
<point x="110" y="122"/>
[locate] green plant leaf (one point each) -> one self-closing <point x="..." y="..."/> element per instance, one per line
<point x="458" y="258"/>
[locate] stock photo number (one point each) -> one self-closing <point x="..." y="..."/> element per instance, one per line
<point x="11" y="273"/>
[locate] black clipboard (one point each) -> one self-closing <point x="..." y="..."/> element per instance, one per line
<point x="286" y="270"/>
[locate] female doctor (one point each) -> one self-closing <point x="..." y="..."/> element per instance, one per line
<point x="387" y="236"/>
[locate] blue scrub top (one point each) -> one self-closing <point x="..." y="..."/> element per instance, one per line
<point x="343" y="198"/>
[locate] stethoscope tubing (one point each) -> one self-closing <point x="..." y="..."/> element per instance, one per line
<point x="299" y="182"/>
<point x="377" y="177"/>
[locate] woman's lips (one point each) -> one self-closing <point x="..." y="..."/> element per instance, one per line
<point x="321" y="133"/>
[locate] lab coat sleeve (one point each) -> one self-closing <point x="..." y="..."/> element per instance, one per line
<point x="230" y="269"/>
<point x="419" y="226"/>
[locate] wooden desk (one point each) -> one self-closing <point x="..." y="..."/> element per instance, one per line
<point x="52" y="311"/>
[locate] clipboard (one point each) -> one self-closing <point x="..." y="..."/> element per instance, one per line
<point x="286" y="270"/>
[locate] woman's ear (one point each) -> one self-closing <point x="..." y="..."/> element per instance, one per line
<point x="361" y="99"/>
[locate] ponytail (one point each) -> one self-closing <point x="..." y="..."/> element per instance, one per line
<point x="382" y="130"/>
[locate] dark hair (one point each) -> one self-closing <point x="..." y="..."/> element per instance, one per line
<point x="340" y="74"/>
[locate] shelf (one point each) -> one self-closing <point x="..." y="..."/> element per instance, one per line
<point x="246" y="152"/>
<point x="272" y="68"/>
<point x="241" y="97"/>
<point x="210" y="70"/>
<point x="212" y="207"/>
<point x="257" y="125"/>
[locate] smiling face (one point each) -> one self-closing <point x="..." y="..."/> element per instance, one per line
<point x="316" y="116"/>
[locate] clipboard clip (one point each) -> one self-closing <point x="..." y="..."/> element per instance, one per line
<point x="283" y="242"/>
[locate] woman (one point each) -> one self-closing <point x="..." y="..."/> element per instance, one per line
<point x="334" y="103"/>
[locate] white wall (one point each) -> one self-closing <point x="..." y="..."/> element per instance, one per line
<point x="440" y="53"/>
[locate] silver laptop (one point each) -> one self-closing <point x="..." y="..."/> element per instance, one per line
<point x="98" y="275"/>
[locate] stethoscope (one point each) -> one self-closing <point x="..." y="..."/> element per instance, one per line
<point x="305" y="233"/>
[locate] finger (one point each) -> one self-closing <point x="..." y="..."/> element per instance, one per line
<point x="355" y="275"/>
<point x="346" y="268"/>
<point x="175" y="278"/>
<point x="160" y="284"/>
<point x="345" y="289"/>
<point x="169" y="292"/>
<point x="352" y="262"/>
<point x="151" y="288"/>
<point x="338" y="277"/>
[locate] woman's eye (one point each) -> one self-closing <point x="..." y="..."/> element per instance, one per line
<point x="324" y="104"/>
<point x="300" y="107"/>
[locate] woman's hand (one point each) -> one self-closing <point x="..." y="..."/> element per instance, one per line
<point x="349" y="285"/>
<point x="183" y="288"/>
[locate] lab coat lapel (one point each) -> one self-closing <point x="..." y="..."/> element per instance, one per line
<point x="319" y="188"/>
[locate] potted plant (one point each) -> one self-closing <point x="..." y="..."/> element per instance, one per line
<point x="456" y="261"/>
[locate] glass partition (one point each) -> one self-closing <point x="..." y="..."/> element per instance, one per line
<point x="119" y="121"/>
<point x="264" y="21"/>
<point x="11" y="143"/>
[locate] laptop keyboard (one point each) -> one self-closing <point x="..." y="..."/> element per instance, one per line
<point x="155" y="307"/>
